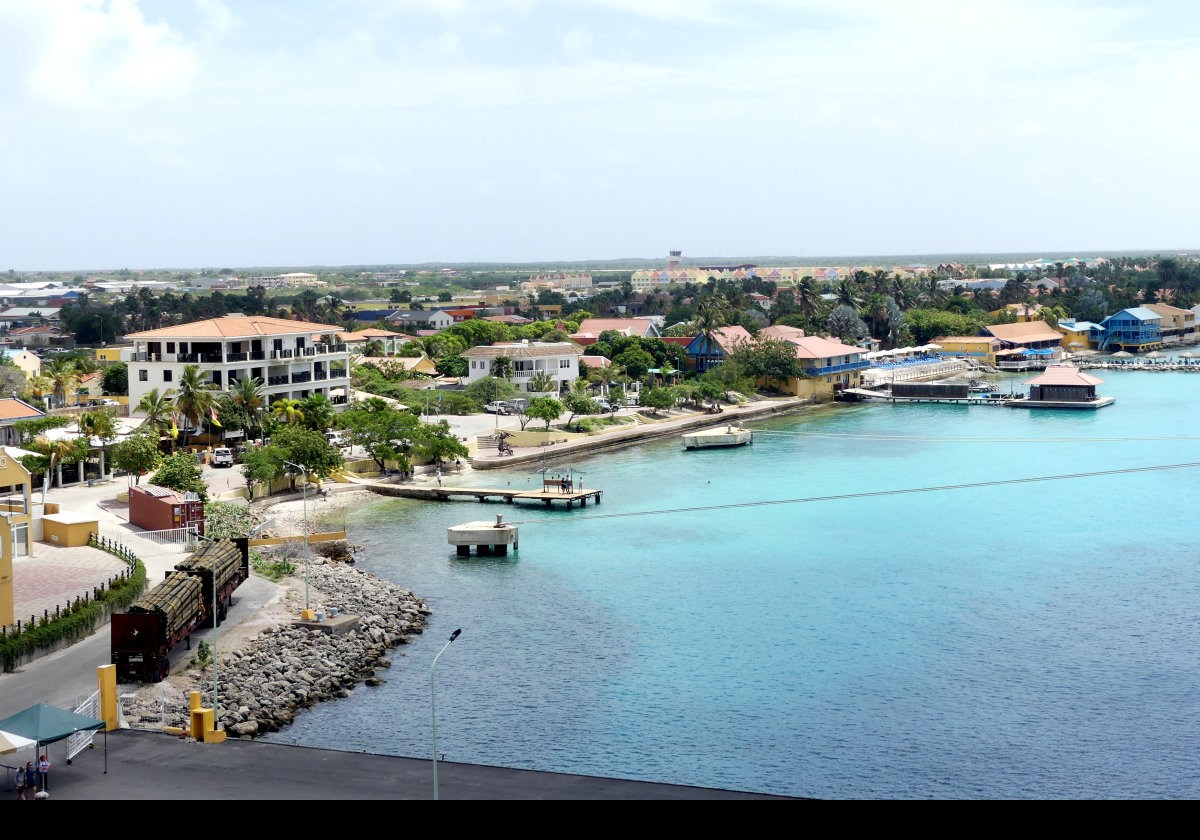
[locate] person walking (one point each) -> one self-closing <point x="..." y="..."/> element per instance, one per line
<point x="20" y="783"/>
<point x="439" y="476"/>
<point x="31" y="781"/>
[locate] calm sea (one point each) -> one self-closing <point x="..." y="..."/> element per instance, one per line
<point x="1032" y="640"/>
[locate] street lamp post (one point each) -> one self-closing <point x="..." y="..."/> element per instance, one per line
<point x="433" y="708"/>
<point x="304" y="503"/>
<point x="216" y="706"/>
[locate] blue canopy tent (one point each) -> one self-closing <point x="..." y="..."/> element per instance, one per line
<point x="47" y="724"/>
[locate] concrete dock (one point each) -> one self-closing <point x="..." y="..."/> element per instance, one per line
<point x="487" y="494"/>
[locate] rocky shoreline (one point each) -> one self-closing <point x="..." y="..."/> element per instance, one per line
<point x="289" y="667"/>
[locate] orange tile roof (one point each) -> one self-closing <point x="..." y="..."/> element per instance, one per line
<point x="246" y="326"/>
<point x="1028" y="331"/>
<point x="12" y="408"/>
<point x="1063" y="375"/>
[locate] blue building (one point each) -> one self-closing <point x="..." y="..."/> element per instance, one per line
<point x="1135" y="330"/>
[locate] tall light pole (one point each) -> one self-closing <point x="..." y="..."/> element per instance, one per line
<point x="433" y="708"/>
<point x="304" y="497"/>
<point x="216" y="706"/>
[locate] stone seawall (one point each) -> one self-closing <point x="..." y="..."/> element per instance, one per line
<point x="289" y="667"/>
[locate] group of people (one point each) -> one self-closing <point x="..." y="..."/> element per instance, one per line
<point x="29" y="779"/>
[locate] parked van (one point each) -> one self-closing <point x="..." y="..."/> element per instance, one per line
<point x="336" y="439"/>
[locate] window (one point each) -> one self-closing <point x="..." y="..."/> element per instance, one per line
<point x="170" y="346"/>
<point x="143" y="376"/>
<point x="564" y="363"/>
<point x="167" y="376"/>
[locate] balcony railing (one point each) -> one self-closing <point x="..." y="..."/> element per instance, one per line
<point x="301" y="377"/>
<point x="277" y="380"/>
<point x="320" y="374"/>
<point x="257" y="355"/>
<point x="282" y="354"/>
<point x="828" y="369"/>
<point x="237" y="357"/>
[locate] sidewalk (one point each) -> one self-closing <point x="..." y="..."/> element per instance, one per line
<point x="627" y="435"/>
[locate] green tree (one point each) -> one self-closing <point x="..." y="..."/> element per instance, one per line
<point x="181" y="472"/>
<point x="545" y="408"/>
<point x="262" y="464"/>
<point x="658" y="398"/>
<point x="318" y="412"/>
<point x="578" y="402"/>
<point x="195" y="400"/>
<point x="385" y="432"/>
<point x="767" y="358"/>
<point x="288" y="411"/>
<point x="489" y="389"/>
<point x="158" y="411"/>
<point x="437" y="442"/>
<point x="308" y="448"/>
<point x="137" y="454"/>
<point x="116" y="380"/>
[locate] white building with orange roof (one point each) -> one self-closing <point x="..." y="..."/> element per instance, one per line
<point x="292" y="358"/>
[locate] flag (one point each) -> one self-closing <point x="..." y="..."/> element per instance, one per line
<point x="174" y="427"/>
<point x="212" y="415"/>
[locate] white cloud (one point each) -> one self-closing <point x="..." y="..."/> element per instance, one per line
<point x="577" y="43"/>
<point x="95" y="56"/>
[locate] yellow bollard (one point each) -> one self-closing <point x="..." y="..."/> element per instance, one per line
<point x="106" y="676"/>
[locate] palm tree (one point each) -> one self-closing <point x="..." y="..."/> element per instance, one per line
<point x="808" y="299"/>
<point x="541" y="382"/>
<point x="159" y="411"/>
<point x="64" y="377"/>
<point x="99" y="424"/>
<point x="247" y="392"/>
<point x="40" y="386"/>
<point x="707" y="323"/>
<point x="935" y="294"/>
<point x="196" y="398"/>
<point x="55" y="451"/>
<point x="502" y="367"/>
<point x="317" y="412"/>
<point x="847" y="294"/>
<point x="287" y="410"/>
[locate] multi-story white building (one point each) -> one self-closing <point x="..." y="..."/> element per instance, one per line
<point x="560" y="360"/>
<point x="292" y="358"/>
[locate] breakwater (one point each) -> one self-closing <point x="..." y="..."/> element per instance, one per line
<point x="290" y="667"/>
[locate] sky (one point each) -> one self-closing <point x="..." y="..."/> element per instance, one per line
<point x="215" y="133"/>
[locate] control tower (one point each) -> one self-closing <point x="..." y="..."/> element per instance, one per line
<point x="673" y="259"/>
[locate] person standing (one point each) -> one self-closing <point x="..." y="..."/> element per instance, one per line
<point x="20" y="783"/>
<point x="43" y="768"/>
<point x="31" y="781"/>
<point x="439" y="476"/>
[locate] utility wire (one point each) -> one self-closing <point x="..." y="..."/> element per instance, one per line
<point x="920" y="439"/>
<point x="864" y="495"/>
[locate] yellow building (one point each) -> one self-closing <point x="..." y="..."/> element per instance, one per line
<point x="829" y="364"/>
<point x="982" y="348"/>
<point x="16" y="539"/>
<point x="28" y="363"/>
<point x="1076" y="334"/>
<point x="1178" y="325"/>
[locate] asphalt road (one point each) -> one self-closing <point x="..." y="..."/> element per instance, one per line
<point x="65" y="677"/>
<point x="144" y="765"/>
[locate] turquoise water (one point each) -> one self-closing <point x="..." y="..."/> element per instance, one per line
<point x="1032" y="640"/>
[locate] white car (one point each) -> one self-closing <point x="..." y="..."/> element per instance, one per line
<point x="497" y="407"/>
<point x="222" y="457"/>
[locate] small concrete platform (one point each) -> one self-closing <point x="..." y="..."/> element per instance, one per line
<point x="718" y="438"/>
<point x="337" y="626"/>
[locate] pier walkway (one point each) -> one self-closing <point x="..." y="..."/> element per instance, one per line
<point x="508" y="495"/>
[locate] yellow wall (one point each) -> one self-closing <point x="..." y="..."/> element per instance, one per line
<point x="981" y="348"/>
<point x="68" y="533"/>
<point x="11" y="473"/>
<point x="1071" y="336"/>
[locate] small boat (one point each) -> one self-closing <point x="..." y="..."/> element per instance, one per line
<point x="978" y="386"/>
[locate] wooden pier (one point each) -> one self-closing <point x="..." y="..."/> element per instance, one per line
<point x="508" y="495"/>
<point x="972" y="399"/>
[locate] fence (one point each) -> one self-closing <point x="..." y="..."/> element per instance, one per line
<point x="85" y="597"/>
<point x="150" y="543"/>
<point x="80" y="741"/>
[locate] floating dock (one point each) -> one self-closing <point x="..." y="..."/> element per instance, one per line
<point x="718" y="438"/>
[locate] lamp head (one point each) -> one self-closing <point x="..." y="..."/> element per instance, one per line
<point x="454" y="635"/>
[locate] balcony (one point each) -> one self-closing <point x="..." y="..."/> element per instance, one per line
<point x="282" y="354"/>
<point x="301" y="377"/>
<point x="257" y="355"/>
<point x="277" y="380"/>
<point x="237" y="357"/>
<point x="186" y="358"/>
<point x="320" y="374"/>
<point x="828" y="369"/>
